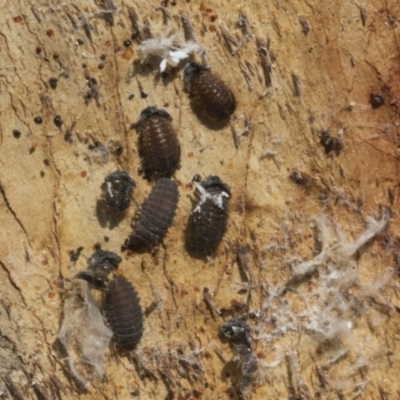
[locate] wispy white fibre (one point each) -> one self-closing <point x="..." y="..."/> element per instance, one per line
<point x="83" y="334"/>
<point x="171" y="49"/>
<point x="333" y="293"/>
<point x="347" y="250"/>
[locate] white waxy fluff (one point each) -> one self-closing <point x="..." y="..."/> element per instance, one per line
<point x="217" y="199"/>
<point x="171" y="49"/>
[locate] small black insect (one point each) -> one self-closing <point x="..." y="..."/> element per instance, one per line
<point x="207" y="223"/>
<point x="38" y="120"/>
<point x="238" y="333"/>
<point x="156" y="217"/>
<point x="53" y="83"/>
<point x="100" y="265"/>
<point x="332" y="145"/>
<point x="159" y="147"/>
<point x="58" y="121"/>
<point x="124" y="313"/>
<point x="118" y="190"/>
<point x="16" y="134"/>
<point x="211" y="98"/>
<point x="376" y="100"/>
<point x="127" y="43"/>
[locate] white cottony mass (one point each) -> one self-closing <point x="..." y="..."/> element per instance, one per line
<point x="171" y="49"/>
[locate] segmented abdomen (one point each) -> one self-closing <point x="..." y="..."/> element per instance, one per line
<point x="159" y="147"/>
<point x="156" y="217"/>
<point x="211" y="98"/>
<point x="124" y="313"/>
<point x="208" y="221"/>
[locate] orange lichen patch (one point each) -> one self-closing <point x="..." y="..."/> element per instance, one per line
<point x="190" y="154"/>
<point x="19" y="20"/>
<point x="127" y="54"/>
<point x="33" y="148"/>
<point x="57" y="284"/>
<point x="51" y="295"/>
<point x="83" y="174"/>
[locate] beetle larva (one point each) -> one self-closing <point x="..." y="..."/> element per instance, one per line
<point x="211" y="98"/>
<point x="156" y="217"/>
<point x="124" y="313"/>
<point x="207" y="223"/>
<point x="159" y="147"/>
<point x="118" y="190"/>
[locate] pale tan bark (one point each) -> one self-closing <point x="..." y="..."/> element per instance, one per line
<point x="325" y="57"/>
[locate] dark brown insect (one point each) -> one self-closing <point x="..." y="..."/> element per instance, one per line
<point x="121" y="302"/>
<point x="207" y="223"/>
<point x="118" y="190"/>
<point x="332" y="145"/>
<point x="156" y="217"/>
<point x="58" y="121"/>
<point x="124" y="313"/>
<point x="159" y="147"/>
<point x="211" y="99"/>
<point x="376" y="100"/>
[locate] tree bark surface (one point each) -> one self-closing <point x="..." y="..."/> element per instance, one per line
<point x="297" y="69"/>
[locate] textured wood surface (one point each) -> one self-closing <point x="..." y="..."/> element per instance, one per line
<point x="328" y="329"/>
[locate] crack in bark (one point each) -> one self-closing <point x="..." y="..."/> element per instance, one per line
<point x="9" y="54"/>
<point x="14" y="107"/>
<point x="171" y="282"/>
<point x="3" y="193"/>
<point x="119" y="94"/>
<point x="392" y="25"/>
<point x="18" y="289"/>
<point x="13" y="284"/>
<point x="55" y="221"/>
<point x="377" y="148"/>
